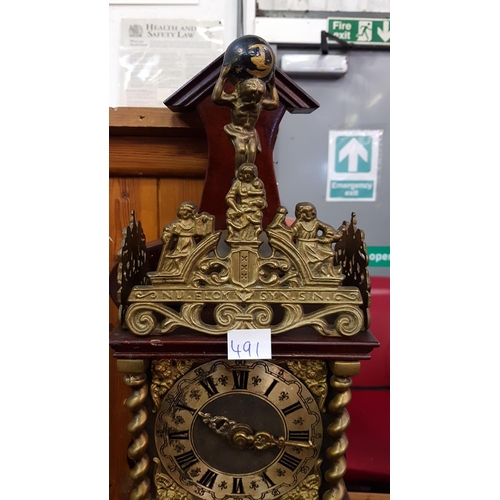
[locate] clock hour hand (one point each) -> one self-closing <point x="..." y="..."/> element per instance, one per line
<point x="238" y="434"/>
<point x="243" y="436"/>
<point x="219" y="424"/>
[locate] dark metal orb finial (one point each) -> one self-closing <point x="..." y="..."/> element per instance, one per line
<point x="250" y="56"/>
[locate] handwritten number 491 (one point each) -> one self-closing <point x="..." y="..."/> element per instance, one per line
<point x="247" y="350"/>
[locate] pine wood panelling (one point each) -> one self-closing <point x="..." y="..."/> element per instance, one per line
<point x="127" y="194"/>
<point x="153" y="121"/>
<point x="158" y="156"/>
<point x="157" y="160"/>
<point x="172" y="192"/>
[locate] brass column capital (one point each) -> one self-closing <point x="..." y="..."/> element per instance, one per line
<point x="132" y="365"/>
<point x="345" y="368"/>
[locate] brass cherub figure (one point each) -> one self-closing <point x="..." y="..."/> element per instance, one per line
<point x="179" y="237"/>
<point x="314" y="239"/>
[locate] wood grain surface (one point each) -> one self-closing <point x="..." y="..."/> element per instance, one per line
<point x="157" y="160"/>
<point x="152" y="121"/>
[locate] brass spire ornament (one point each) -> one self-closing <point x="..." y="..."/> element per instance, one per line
<point x="132" y="262"/>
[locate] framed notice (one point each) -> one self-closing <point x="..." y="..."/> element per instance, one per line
<point x="158" y="56"/>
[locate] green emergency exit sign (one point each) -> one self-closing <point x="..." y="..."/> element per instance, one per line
<point x="361" y="30"/>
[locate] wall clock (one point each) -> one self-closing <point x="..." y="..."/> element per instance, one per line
<point x="255" y="429"/>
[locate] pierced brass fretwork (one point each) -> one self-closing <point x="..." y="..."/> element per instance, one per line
<point x="297" y="281"/>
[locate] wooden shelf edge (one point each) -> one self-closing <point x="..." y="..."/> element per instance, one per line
<point x="368" y="496"/>
<point x="124" y="119"/>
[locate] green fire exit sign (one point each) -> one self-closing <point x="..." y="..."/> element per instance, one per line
<point x="361" y="30"/>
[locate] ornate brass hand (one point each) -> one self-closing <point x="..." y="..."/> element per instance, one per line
<point x="243" y="436"/>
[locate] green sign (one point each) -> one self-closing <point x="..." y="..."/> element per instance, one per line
<point x="379" y="256"/>
<point x="353" y="158"/>
<point x="361" y="31"/>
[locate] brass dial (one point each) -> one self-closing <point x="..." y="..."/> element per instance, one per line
<point x="238" y="429"/>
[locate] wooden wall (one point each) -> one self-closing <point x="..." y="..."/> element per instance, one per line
<point x="157" y="160"/>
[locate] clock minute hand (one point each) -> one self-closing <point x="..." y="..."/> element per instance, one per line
<point x="264" y="440"/>
<point x="243" y="436"/>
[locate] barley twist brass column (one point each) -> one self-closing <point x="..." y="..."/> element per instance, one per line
<point x="135" y="377"/>
<point x="341" y="382"/>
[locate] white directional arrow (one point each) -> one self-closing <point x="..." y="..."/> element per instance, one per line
<point x="351" y="151"/>
<point x="385" y="32"/>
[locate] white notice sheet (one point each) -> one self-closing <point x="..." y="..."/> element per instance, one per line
<point x="158" y="56"/>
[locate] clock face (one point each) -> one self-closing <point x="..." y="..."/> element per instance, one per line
<point x="238" y="429"/>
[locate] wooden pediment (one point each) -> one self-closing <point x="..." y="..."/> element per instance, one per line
<point x="201" y="85"/>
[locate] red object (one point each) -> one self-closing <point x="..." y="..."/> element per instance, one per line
<point x="221" y="168"/>
<point x="367" y="456"/>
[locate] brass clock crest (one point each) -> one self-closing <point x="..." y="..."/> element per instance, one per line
<point x="248" y="289"/>
<point x="248" y="429"/>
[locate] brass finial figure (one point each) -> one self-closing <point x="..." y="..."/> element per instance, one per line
<point x="246" y="199"/>
<point x="249" y="65"/>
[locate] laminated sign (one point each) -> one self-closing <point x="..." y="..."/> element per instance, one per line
<point x="361" y="31"/>
<point x="353" y="164"/>
<point x="159" y="56"/>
